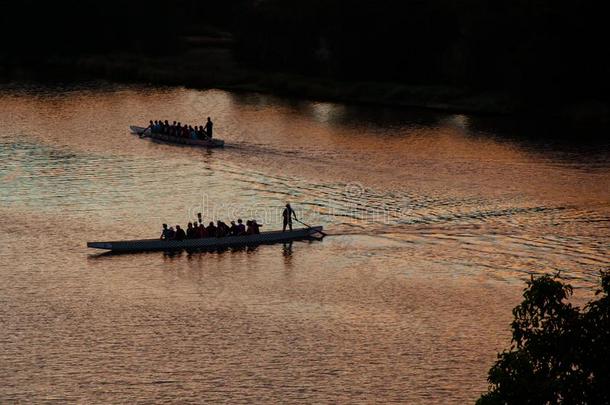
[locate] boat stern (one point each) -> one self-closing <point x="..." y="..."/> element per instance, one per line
<point x="316" y="230"/>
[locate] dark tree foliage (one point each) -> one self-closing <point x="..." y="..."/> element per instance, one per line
<point x="532" y="46"/>
<point x="553" y="48"/>
<point x="361" y="39"/>
<point x="41" y="28"/>
<point x="560" y="353"/>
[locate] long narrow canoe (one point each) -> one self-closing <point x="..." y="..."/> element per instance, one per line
<point x="206" y="143"/>
<point x="207" y="243"/>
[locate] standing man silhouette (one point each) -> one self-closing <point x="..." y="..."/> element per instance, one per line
<point x="209" y="127"/>
<point x="288" y="214"/>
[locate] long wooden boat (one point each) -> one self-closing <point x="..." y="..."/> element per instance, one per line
<point x="206" y="143"/>
<point x="143" y="245"/>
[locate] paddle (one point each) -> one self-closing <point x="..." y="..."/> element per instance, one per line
<point x="143" y="134"/>
<point x="310" y="227"/>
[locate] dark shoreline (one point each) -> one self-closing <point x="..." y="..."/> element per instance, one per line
<point x="215" y="68"/>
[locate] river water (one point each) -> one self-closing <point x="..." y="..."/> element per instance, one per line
<point x="434" y="221"/>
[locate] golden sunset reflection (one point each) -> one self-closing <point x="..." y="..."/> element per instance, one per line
<point x="434" y="223"/>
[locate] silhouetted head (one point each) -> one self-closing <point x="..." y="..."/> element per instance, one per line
<point x="209" y="119"/>
<point x="211" y="224"/>
<point x="164" y="226"/>
<point x="239" y="221"/>
<point x="177" y="227"/>
<point x="190" y="225"/>
<point x="287" y="205"/>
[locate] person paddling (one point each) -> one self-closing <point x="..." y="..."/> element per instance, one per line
<point x="233" y="229"/>
<point x="211" y="230"/>
<point x="190" y="231"/>
<point x="256" y="227"/>
<point x="241" y="228"/>
<point x="201" y="231"/>
<point x="180" y="234"/>
<point x="288" y="214"/>
<point x="165" y="234"/>
<point x="221" y="229"/>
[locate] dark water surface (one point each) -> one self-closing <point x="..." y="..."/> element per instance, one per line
<point x="436" y="221"/>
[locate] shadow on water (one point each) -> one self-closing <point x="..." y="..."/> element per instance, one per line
<point x="538" y="133"/>
<point x="343" y="114"/>
<point x="542" y="134"/>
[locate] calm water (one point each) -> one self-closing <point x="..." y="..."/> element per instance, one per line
<point x="435" y="221"/>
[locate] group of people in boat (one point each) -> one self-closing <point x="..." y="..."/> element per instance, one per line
<point x="182" y="131"/>
<point x="197" y="230"/>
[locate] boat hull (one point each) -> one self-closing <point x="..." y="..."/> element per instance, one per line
<point x="144" y="245"/>
<point x="205" y="143"/>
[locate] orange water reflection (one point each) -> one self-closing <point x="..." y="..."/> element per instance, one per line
<point x="435" y="222"/>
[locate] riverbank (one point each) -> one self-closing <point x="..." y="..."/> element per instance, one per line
<point x="209" y="63"/>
